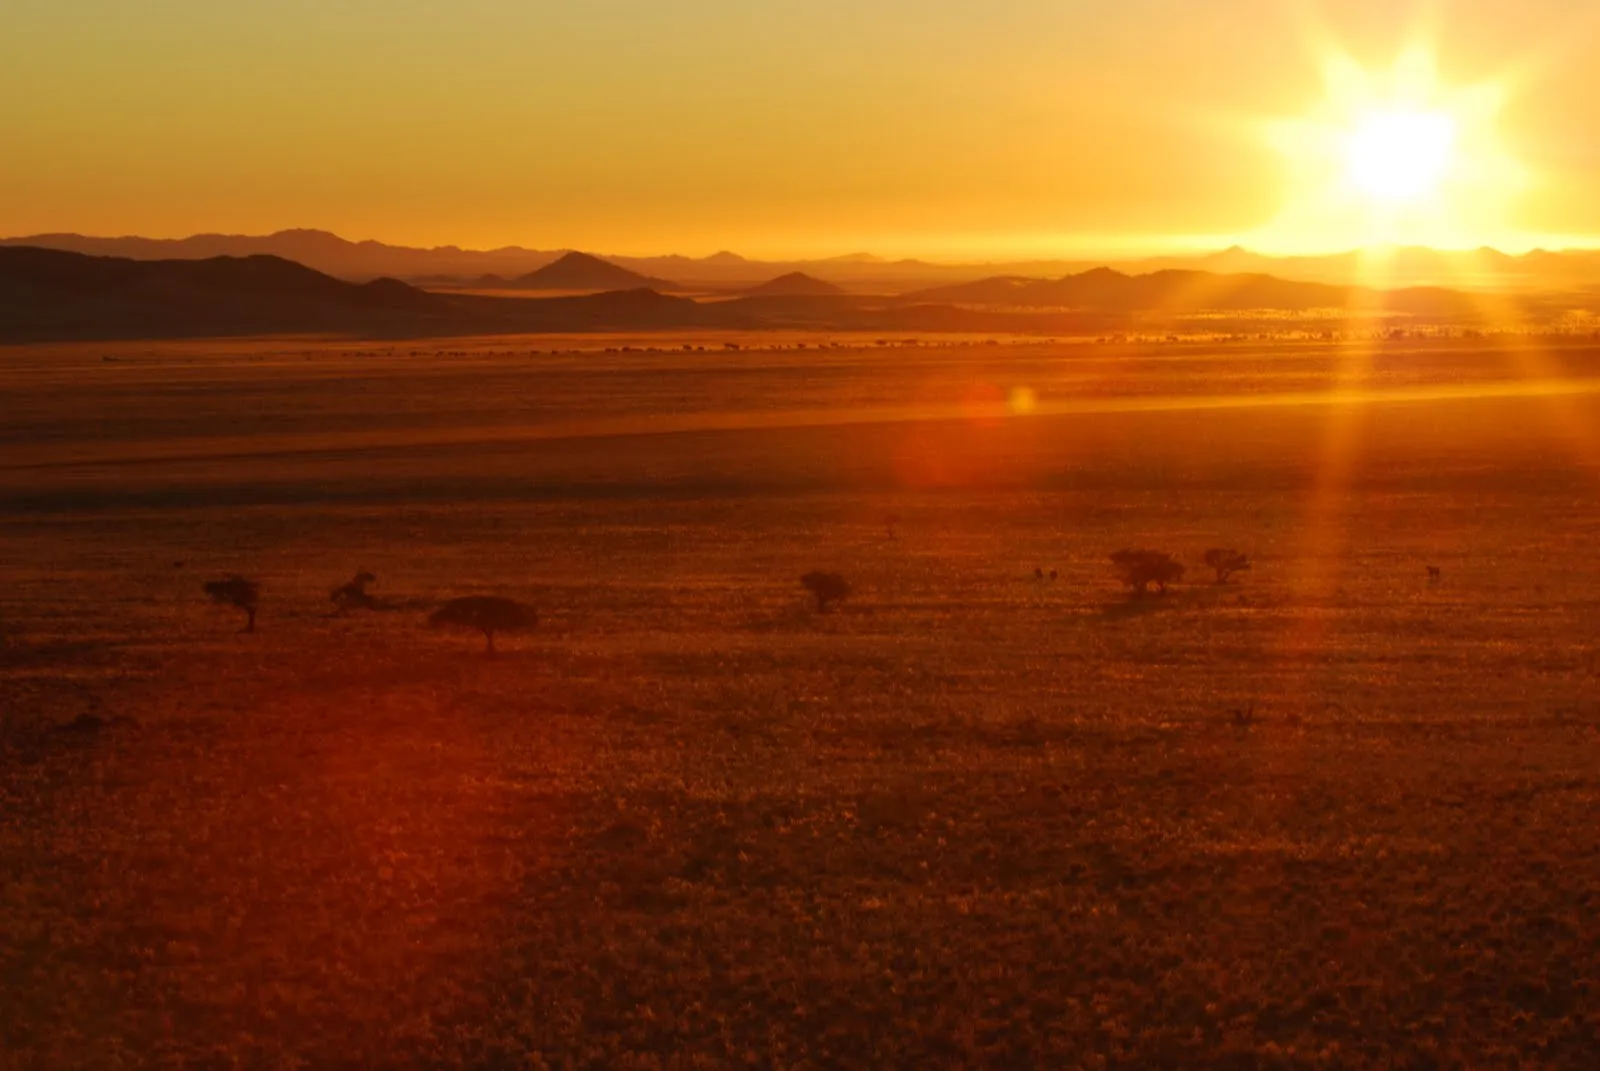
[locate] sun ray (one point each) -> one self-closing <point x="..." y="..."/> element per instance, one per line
<point x="1534" y="362"/>
<point x="1323" y="529"/>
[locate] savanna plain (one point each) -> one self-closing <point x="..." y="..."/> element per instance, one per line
<point x="1336" y="813"/>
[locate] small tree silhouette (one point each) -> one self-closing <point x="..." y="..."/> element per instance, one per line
<point x="1140" y="568"/>
<point x="235" y="590"/>
<point x="827" y="588"/>
<point x="1226" y="562"/>
<point x="353" y="596"/>
<point x="487" y="614"/>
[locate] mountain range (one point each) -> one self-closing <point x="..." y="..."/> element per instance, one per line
<point x="1180" y="291"/>
<point x="362" y="261"/>
<point x="48" y="294"/>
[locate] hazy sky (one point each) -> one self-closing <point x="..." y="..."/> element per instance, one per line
<point x="933" y="127"/>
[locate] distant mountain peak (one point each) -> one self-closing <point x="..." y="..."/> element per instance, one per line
<point x="795" y="284"/>
<point x="574" y="256"/>
<point x="584" y="271"/>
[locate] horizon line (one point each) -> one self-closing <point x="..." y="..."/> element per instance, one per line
<point x="1165" y="247"/>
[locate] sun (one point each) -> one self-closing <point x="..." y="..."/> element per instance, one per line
<point x="1391" y="158"/>
<point x="1401" y="156"/>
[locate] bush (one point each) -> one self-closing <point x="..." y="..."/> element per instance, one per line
<point x="827" y="588"/>
<point x="487" y="614"/>
<point x="1140" y="568"/>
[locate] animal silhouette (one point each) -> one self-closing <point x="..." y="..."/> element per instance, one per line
<point x="237" y="591"/>
<point x="353" y="595"/>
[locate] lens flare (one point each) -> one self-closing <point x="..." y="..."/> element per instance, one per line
<point x="1022" y="400"/>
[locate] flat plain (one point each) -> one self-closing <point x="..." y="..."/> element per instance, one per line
<point x="1334" y="814"/>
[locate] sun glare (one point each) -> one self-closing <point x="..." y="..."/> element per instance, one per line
<point x="1393" y="158"/>
<point x="1401" y="156"/>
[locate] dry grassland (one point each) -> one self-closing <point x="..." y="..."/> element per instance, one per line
<point x="967" y="820"/>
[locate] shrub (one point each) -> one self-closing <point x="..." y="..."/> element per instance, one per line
<point x="487" y="614"/>
<point x="237" y="591"/>
<point x="1226" y="562"/>
<point x="827" y="588"/>
<point x="1140" y="568"/>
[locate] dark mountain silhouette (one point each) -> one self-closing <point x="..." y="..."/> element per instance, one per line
<point x="795" y="284"/>
<point x="51" y="294"/>
<point x="453" y="266"/>
<point x="48" y="270"/>
<point x="580" y="271"/>
<point x="316" y="249"/>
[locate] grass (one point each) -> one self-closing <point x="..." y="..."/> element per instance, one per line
<point x="967" y="819"/>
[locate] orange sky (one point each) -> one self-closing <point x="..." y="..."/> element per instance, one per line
<point x="780" y="127"/>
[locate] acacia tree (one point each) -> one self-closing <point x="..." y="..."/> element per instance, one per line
<point x="826" y="588"/>
<point x="1226" y="562"/>
<point x="1138" y="569"/>
<point x="237" y="591"/>
<point x="487" y="614"/>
